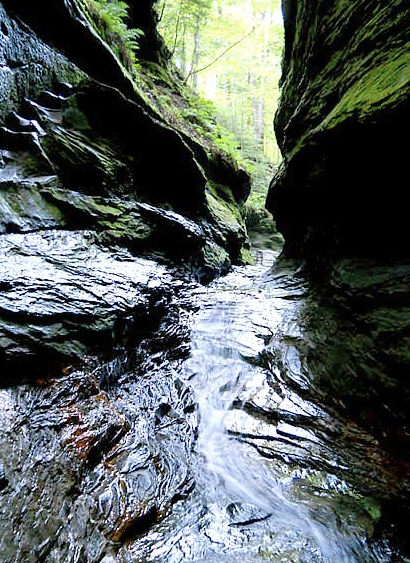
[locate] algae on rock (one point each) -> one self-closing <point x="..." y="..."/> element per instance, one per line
<point x="343" y="114"/>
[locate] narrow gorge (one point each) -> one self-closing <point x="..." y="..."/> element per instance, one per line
<point x="167" y="394"/>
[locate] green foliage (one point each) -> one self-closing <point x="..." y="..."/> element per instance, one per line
<point x="191" y="113"/>
<point x="230" y="51"/>
<point x="109" y="18"/>
<point x="201" y="112"/>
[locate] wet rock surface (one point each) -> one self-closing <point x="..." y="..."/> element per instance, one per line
<point x="106" y="362"/>
<point x="84" y="470"/>
<point x="213" y="437"/>
<point x="280" y="473"/>
<point x="104" y="213"/>
<point x="91" y="459"/>
<point x="62" y="296"/>
<point x="364" y="346"/>
<point x="91" y="173"/>
<point x="338" y="200"/>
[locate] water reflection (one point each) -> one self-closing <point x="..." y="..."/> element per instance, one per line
<point x="274" y="471"/>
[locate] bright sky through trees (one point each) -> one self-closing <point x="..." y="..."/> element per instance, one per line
<point x="229" y="51"/>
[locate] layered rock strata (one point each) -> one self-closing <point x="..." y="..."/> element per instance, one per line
<point x="104" y="207"/>
<point x="340" y="201"/>
<point x="84" y="152"/>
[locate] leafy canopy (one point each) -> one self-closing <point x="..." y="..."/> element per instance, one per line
<point x="229" y="51"/>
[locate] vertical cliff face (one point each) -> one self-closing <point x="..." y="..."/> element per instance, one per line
<point x="342" y="123"/>
<point x="340" y="199"/>
<point x="64" y="26"/>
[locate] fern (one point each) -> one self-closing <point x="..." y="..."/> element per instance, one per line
<point x="109" y="17"/>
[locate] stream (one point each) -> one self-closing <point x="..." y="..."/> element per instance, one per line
<point x="274" y="472"/>
<point x="206" y="440"/>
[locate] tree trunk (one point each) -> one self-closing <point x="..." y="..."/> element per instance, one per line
<point x="195" y="54"/>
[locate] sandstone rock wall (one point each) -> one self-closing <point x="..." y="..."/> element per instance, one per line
<point x="340" y="199"/>
<point x="27" y="65"/>
<point x="105" y="208"/>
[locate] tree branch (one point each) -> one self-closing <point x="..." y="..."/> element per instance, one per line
<point x="160" y="16"/>
<point x="191" y="72"/>
<point x="177" y="30"/>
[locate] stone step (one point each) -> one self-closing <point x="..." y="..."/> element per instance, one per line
<point x="35" y="111"/>
<point x="65" y="89"/>
<point x="17" y="140"/>
<point x="17" y="123"/>
<point x="50" y="100"/>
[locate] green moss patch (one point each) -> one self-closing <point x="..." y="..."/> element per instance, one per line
<point x="383" y="86"/>
<point x="223" y="210"/>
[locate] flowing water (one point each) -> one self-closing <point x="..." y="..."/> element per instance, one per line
<point x="208" y="439"/>
<point x="274" y="472"/>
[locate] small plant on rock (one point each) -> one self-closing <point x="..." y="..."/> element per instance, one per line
<point x="109" y="18"/>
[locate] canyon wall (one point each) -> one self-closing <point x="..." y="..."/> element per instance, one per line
<point x="95" y="154"/>
<point x="341" y="125"/>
